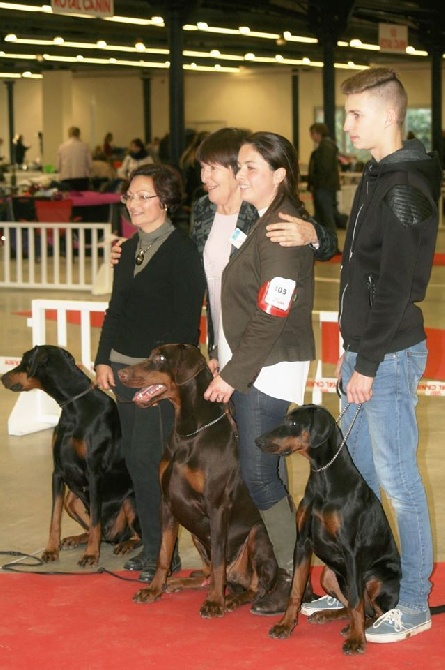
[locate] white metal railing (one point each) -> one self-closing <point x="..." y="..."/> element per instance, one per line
<point x="56" y="256"/>
<point x="35" y="410"/>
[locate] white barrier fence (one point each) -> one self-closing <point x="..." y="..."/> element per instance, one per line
<point x="35" y="411"/>
<point x="60" y="256"/>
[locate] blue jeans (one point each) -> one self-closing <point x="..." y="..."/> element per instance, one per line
<point x="264" y="474"/>
<point x="383" y="445"/>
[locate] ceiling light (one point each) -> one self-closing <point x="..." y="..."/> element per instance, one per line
<point x="249" y="56"/>
<point x="202" y="26"/>
<point x="139" y="45"/>
<point x="157" y="20"/>
<point x="101" y="44"/>
<point x="10" y="38"/>
<point x="58" y="40"/>
<point x="244" y="30"/>
<point x="215" y="52"/>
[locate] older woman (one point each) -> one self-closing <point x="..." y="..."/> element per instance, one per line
<point x="157" y="296"/>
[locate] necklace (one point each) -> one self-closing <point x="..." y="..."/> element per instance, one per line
<point x="141" y="254"/>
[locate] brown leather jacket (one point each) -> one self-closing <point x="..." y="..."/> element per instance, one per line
<point x="256" y="338"/>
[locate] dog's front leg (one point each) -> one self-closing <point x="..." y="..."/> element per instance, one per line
<point x="213" y="605"/>
<point x="168" y="540"/>
<point x="355" y="641"/>
<point x="51" y="552"/>
<point x="287" y="623"/>
<point x="92" y="551"/>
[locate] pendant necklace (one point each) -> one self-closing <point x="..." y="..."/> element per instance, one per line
<point x="141" y="254"/>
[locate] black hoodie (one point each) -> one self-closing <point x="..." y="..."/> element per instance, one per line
<point x="388" y="254"/>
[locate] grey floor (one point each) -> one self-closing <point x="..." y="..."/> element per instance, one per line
<point x="25" y="462"/>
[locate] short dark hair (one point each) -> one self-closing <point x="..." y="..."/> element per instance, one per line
<point x="383" y="82"/>
<point x="222" y="147"/>
<point x="167" y="183"/>
<point x="278" y="152"/>
<point x="320" y="129"/>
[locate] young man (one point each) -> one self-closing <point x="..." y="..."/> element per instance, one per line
<point x="386" y="267"/>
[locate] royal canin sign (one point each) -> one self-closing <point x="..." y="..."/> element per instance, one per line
<point x="97" y="8"/>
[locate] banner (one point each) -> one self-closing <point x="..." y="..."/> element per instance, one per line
<point x="393" y="38"/>
<point x="99" y="8"/>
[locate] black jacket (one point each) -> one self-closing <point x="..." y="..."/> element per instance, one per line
<point x="161" y="304"/>
<point x="388" y="255"/>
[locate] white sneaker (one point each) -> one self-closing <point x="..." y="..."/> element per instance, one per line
<point x="398" y="624"/>
<point x="324" y="603"/>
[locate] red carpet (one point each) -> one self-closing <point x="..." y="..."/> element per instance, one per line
<point x="90" y="622"/>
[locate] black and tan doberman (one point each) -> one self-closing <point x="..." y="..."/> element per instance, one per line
<point x="202" y="487"/>
<point x="343" y="523"/>
<point x="86" y="456"/>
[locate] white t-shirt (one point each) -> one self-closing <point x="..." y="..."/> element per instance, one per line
<point x="216" y="256"/>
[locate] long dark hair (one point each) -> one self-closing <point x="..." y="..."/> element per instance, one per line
<point x="278" y="152"/>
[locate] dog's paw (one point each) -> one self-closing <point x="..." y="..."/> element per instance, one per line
<point x="73" y="541"/>
<point x="211" y="610"/>
<point x="146" y="596"/>
<point x="50" y="555"/>
<point x="281" y="631"/>
<point x="125" y="547"/>
<point x="354" y="646"/>
<point x="88" y="560"/>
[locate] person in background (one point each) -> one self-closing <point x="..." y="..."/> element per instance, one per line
<point x="74" y="162"/>
<point x="386" y="267"/>
<point x="20" y="150"/>
<point x="137" y="155"/>
<point x="263" y="327"/>
<point x="157" y="296"/>
<point x="191" y="170"/>
<point x="324" y="176"/>
<point x="108" y="148"/>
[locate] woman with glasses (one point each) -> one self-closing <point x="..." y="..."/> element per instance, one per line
<point x="157" y="296"/>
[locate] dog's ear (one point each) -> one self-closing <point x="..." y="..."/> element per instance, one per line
<point x="323" y="426"/>
<point x="190" y="362"/>
<point x="39" y="357"/>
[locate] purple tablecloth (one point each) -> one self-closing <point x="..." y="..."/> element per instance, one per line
<point x="92" y="198"/>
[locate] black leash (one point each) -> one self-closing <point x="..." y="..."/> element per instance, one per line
<point x="36" y="562"/>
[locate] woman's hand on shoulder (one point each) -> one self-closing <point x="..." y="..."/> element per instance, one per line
<point x="291" y="231"/>
<point x="116" y="251"/>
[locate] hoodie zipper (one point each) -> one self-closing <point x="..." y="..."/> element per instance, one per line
<point x="351" y="252"/>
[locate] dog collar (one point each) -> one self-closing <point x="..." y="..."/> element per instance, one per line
<point x="207" y="425"/>
<point x="76" y="397"/>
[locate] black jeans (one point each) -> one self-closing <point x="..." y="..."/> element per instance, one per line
<point x="145" y="433"/>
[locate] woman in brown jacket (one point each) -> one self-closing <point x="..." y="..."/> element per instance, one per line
<point x="266" y="340"/>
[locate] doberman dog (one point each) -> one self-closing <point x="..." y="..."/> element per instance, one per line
<point x="87" y="456"/>
<point x="342" y="521"/>
<point x="202" y="487"/>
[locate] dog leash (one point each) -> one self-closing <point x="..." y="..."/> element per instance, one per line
<point x="79" y="395"/>
<point x="325" y="467"/>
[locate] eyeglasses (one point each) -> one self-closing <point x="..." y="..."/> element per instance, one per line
<point x="141" y="198"/>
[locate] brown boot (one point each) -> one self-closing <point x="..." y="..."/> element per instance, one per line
<point x="275" y="602"/>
